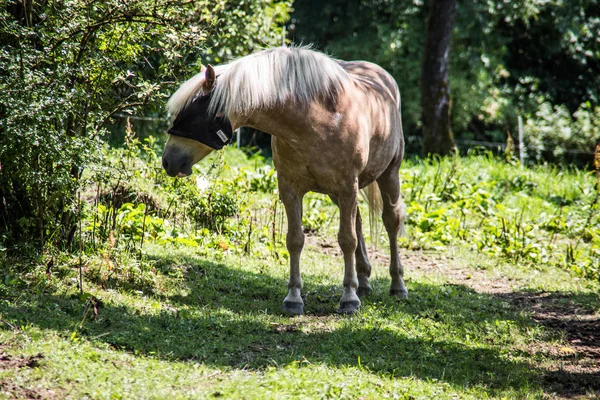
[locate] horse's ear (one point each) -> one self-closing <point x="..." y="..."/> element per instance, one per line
<point x="209" y="78"/>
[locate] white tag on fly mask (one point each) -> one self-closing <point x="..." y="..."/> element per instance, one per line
<point x="222" y="135"/>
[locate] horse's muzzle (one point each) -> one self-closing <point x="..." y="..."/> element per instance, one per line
<point x="176" y="165"/>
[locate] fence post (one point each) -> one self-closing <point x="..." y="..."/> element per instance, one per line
<point x="521" y="144"/>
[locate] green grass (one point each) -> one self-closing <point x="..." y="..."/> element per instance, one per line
<point x="205" y="320"/>
<point x="539" y="216"/>
<point x="215" y="328"/>
<point x="225" y="318"/>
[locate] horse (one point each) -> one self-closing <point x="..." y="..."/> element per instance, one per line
<point x="335" y="128"/>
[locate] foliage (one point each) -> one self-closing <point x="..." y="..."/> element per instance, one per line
<point x="498" y="68"/>
<point x="134" y="200"/>
<point x="530" y="216"/>
<point x="262" y="179"/>
<point x="229" y="204"/>
<point x="314" y="215"/>
<point x="554" y="130"/>
<point x="533" y="217"/>
<point x="68" y="68"/>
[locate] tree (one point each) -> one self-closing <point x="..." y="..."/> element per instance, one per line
<point x="435" y="89"/>
<point x="67" y="67"/>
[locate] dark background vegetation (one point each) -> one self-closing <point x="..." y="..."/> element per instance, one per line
<point x="537" y="59"/>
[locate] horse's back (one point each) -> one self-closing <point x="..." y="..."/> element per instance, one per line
<point x="373" y="77"/>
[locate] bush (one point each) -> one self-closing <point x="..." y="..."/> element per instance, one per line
<point x="536" y="217"/>
<point x="553" y="131"/>
<point x="68" y="68"/>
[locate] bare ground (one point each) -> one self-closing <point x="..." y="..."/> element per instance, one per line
<point x="12" y="390"/>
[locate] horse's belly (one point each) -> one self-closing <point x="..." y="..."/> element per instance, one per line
<point x="328" y="175"/>
<point x="308" y="177"/>
<point x="325" y="179"/>
<point x="372" y="171"/>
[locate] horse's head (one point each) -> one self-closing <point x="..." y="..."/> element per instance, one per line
<point x="195" y="132"/>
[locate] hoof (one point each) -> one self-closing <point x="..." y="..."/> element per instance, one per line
<point x="349" y="307"/>
<point x="293" y="308"/>
<point x="399" y="293"/>
<point x="364" y="291"/>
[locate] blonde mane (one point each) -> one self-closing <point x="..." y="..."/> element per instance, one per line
<point x="265" y="79"/>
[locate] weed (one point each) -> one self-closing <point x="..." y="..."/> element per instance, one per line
<point x="501" y="210"/>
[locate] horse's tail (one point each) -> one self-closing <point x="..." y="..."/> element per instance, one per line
<point x="372" y="195"/>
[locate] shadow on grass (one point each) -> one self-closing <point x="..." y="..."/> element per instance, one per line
<point x="229" y="317"/>
<point x="576" y="316"/>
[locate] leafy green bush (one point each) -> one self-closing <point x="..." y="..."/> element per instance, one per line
<point x="526" y="216"/>
<point x="554" y="130"/>
<point x="208" y="207"/>
<point x="263" y="179"/>
<point x="68" y="68"/>
<point x="314" y="216"/>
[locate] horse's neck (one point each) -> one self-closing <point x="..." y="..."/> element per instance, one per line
<point x="286" y="122"/>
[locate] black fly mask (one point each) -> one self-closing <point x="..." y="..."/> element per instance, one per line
<point x="194" y="122"/>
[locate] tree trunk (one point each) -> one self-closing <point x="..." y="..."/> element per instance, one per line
<point x="435" y="91"/>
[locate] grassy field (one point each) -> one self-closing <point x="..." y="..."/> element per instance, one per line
<point x="494" y="311"/>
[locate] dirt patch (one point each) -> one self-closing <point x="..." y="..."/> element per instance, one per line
<point x="579" y="322"/>
<point x="14" y="391"/>
<point x="10" y="362"/>
<point x="575" y="370"/>
<point x="425" y="262"/>
<point x="285" y="328"/>
<point x="326" y="246"/>
<point x="570" y="384"/>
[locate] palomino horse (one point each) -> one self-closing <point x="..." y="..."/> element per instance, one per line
<point x="336" y="128"/>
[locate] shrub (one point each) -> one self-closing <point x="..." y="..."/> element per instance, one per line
<point x="554" y="131"/>
<point x="67" y="68"/>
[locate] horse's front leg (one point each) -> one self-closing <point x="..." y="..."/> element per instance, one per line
<point x="292" y="201"/>
<point x="347" y="239"/>
<point x="363" y="267"/>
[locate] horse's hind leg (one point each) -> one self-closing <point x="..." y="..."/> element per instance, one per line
<point x="348" y="241"/>
<point x="363" y="267"/>
<point x="389" y="185"/>
<point x="292" y="201"/>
